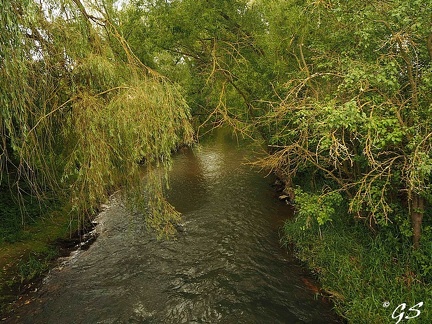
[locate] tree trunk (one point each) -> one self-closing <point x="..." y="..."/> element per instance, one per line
<point x="417" y="211"/>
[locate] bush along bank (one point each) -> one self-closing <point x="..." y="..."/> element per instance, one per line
<point x="373" y="276"/>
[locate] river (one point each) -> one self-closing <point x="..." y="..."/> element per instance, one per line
<point x="226" y="265"/>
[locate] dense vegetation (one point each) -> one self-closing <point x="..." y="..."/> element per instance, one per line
<point x="339" y="90"/>
<point x="79" y="110"/>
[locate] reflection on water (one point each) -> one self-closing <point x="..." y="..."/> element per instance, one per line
<point x="227" y="265"/>
<point x="211" y="164"/>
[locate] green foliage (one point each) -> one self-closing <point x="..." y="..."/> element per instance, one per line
<point x="34" y="265"/>
<point x="360" y="272"/>
<point x="13" y="219"/>
<point x="208" y="47"/>
<point x="313" y="209"/>
<point x="341" y="91"/>
<point x="359" y="114"/>
<point x="79" y="110"/>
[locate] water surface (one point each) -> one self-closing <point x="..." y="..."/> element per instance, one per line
<point x="225" y="266"/>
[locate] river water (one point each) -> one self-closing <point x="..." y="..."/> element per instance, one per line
<point x="225" y="266"/>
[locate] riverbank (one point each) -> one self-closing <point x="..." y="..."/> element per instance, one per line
<point x="27" y="256"/>
<point x="372" y="278"/>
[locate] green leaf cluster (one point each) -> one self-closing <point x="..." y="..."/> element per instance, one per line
<point x="316" y="209"/>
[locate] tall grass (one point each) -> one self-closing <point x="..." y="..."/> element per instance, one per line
<point x="366" y="275"/>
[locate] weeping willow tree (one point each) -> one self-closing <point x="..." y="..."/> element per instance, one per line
<point x="80" y="114"/>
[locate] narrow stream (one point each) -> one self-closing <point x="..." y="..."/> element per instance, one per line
<point x="225" y="266"/>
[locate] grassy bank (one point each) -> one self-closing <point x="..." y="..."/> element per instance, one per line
<point x="367" y="275"/>
<point x="28" y="245"/>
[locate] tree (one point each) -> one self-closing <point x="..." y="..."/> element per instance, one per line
<point x="348" y="82"/>
<point x="79" y="110"/>
<point x="358" y="105"/>
<point x="210" y="48"/>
